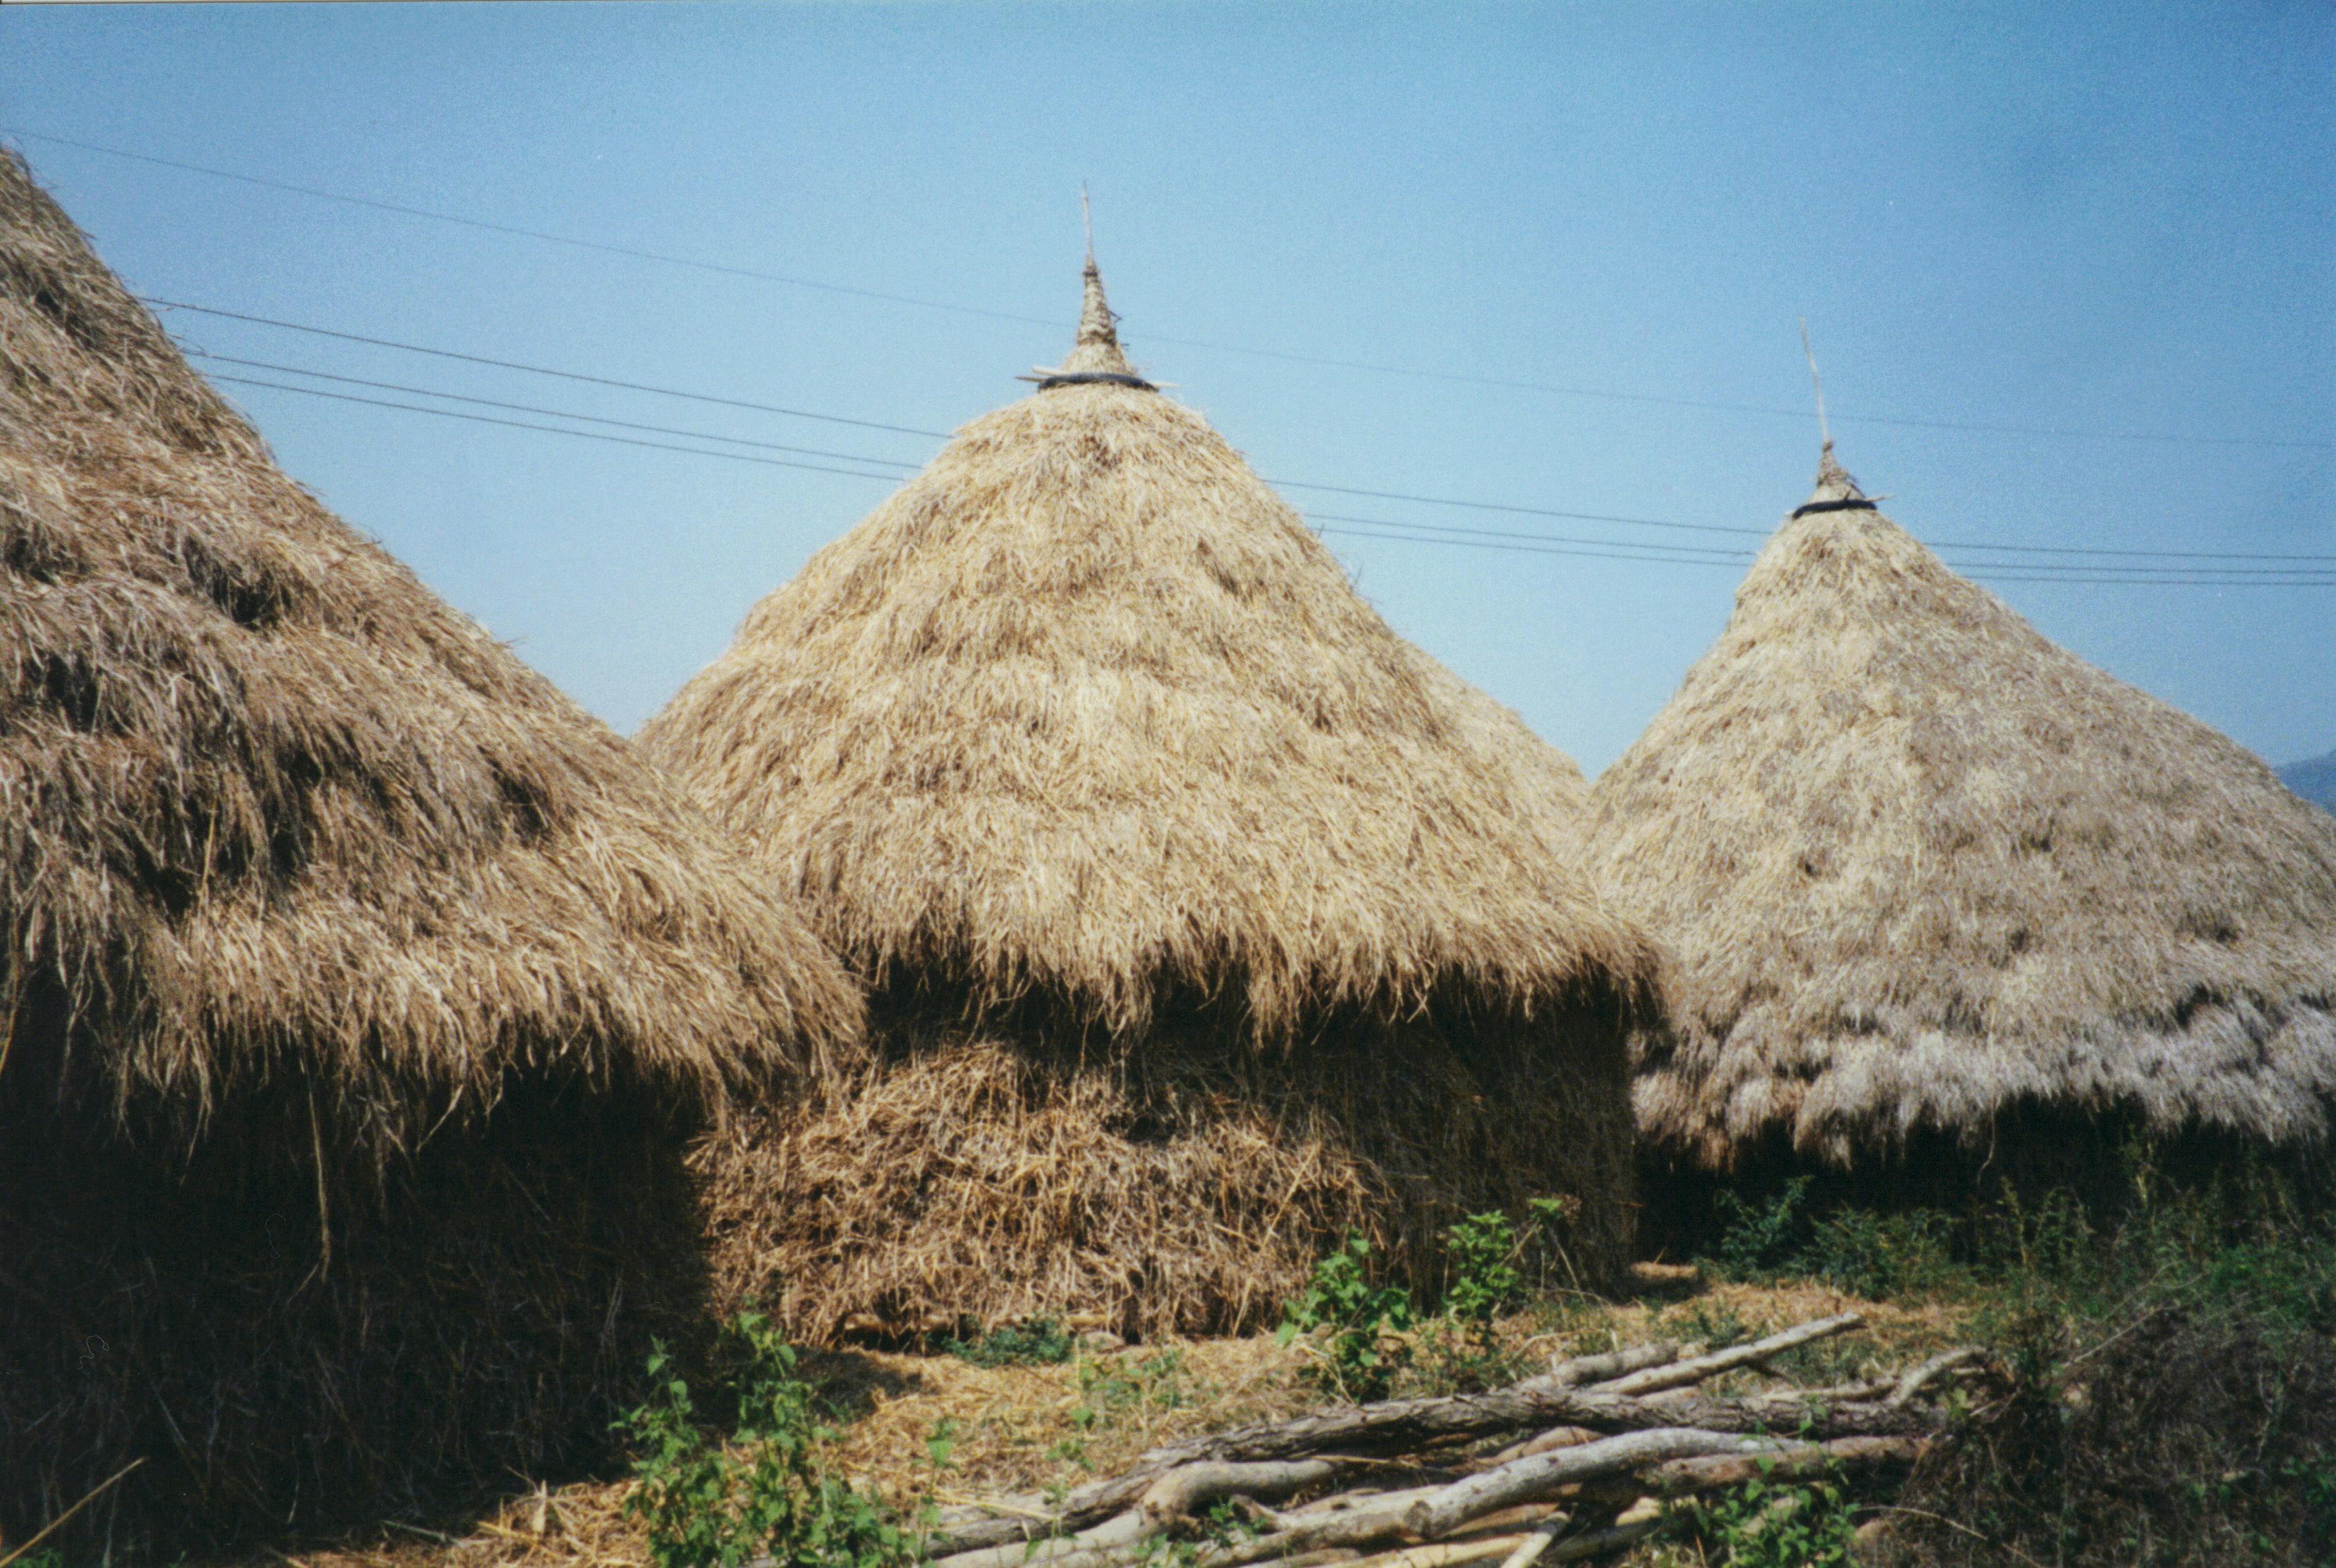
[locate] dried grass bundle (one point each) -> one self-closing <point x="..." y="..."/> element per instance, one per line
<point x="319" y="911"/>
<point x="1174" y="1187"/>
<point x="1929" y="877"/>
<point x="1083" y="735"/>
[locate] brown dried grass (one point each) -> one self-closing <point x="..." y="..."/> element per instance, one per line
<point x="1922" y="871"/>
<point x="320" y="915"/>
<point x="1177" y="1187"/>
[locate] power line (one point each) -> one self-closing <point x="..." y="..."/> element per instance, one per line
<point x="1981" y="572"/>
<point x="548" y="412"/>
<point x="1560" y="389"/>
<point x="1489" y="538"/>
<point x="1697" y="552"/>
<point x="1532" y="544"/>
<point x="2104" y="552"/>
<point x="554" y="428"/>
<point x="540" y="369"/>
<point x="694" y="263"/>
<point x="1763" y="533"/>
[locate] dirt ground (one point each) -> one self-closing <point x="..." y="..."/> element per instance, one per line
<point x="1022" y="1430"/>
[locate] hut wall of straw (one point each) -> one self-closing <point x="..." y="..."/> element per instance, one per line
<point x="1204" y="915"/>
<point x="1936" y="887"/>
<point x="323" y="918"/>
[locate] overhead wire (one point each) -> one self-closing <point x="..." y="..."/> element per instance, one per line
<point x="1326" y="523"/>
<point x="822" y="285"/>
<point x="555" y="429"/>
<point x="540" y="369"/>
<point x="535" y="408"/>
<point x="2105" y="554"/>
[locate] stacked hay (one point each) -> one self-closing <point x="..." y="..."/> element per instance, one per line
<point x="1204" y="917"/>
<point x="1947" y="899"/>
<point x="358" y="991"/>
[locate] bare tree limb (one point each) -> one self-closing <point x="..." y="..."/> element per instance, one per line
<point x="1531" y="1479"/>
<point x="1696" y="1369"/>
<point x="1913" y="1382"/>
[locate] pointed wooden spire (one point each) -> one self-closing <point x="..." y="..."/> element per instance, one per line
<point x="1097" y="356"/>
<point x="1836" y="491"/>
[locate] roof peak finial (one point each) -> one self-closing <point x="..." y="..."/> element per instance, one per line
<point x="1096" y="356"/>
<point x="1836" y="491"/>
<point x="1824" y="434"/>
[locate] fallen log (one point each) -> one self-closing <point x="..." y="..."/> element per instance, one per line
<point x="1579" y="1404"/>
<point x="1538" y="1476"/>
<point x="1575" y="1372"/>
<point x="1695" y="1369"/>
<point x="1786" y="1461"/>
<point x="1915" y="1381"/>
<point x="1403" y="1424"/>
<point x="1186" y="1490"/>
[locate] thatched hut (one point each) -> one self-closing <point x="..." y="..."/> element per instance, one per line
<point x="358" y="995"/>
<point x="1947" y="901"/>
<point x="1203" y="916"/>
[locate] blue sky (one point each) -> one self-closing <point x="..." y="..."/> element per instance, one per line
<point x="2097" y="222"/>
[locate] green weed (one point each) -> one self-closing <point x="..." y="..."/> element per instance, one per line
<point x="1355" y="1325"/>
<point x="768" y="1491"/>
<point x="1766" y="1525"/>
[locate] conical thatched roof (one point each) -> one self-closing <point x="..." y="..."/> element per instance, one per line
<point x="1206" y="918"/>
<point x="1086" y="712"/>
<point x="1921" y="866"/>
<point x="271" y="807"/>
<point x="358" y="992"/>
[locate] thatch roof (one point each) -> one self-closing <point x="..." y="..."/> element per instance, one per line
<point x="1085" y="712"/>
<point x="358" y="991"/>
<point x="1920" y="866"/>
<point x="269" y="808"/>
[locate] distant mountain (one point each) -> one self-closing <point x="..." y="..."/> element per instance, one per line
<point x="2315" y="780"/>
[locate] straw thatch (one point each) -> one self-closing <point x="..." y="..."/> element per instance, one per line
<point x="1159" y="851"/>
<point x="359" y="990"/>
<point x="1932" y="882"/>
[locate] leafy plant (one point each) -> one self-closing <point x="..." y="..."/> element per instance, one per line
<point x="1482" y="1251"/>
<point x="768" y="1492"/>
<point x="1761" y="1241"/>
<point x="1460" y="1351"/>
<point x="1043" y="1343"/>
<point x="1765" y="1525"/>
<point x="1356" y="1325"/>
<point x="1880" y="1256"/>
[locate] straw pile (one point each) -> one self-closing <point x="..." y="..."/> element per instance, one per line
<point x="359" y="991"/>
<point x="1938" y="887"/>
<point x="1204" y="915"/>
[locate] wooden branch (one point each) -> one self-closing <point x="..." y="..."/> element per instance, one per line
<point x="1541" y="1443"/>
<point x="1694" y="1371"/>
<point x="1785" y="1461"/>
<point x="1913" y="1382"/>
<point x="1187" y="1489"/>
<point x="1646" y="1391"/>
<point x="1582" y="1370"/>
<point x="1532" y="1479"/>
<point x="1601" y="1542"/>
<point x="1404" y="1423"/>
<point x="1081" y="1551"/>
<point x="1444" y="1554"/>
<point x="1537" y="1542"/>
